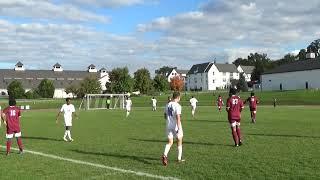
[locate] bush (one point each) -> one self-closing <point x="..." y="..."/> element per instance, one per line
<point x="16" y="90"/>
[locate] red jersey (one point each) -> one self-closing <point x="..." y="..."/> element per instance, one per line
<point x="220" y="101"/>
<point x="253" y="101"/>
<point x="234" y="107"/>
<point x="13" y="114"/>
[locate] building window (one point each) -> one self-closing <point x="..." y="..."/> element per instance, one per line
<point x="224" y="80"/>
<point x="269" y="80"/>
<point x="213" y="73"/>
<point x="212" y="81"/>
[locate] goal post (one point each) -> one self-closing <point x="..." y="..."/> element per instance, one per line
<point x="99" y="101"/>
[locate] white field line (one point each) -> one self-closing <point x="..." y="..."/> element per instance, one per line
<point x="137" y="173"/>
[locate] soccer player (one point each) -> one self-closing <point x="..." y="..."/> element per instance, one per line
<point x="11" y="118"/>
<point x="154" y="104"/>
<point x="128" y="106"/>
<point x="174" y="127"/>
<point x="220" y="103"/>
<point x="274" y="102"/>
<point x="253" y="102"/>
<point x="108" y="102"/>
<point x="234" y="107"/>
<point x="69" y="112"/>
<point x="193" y="103"/>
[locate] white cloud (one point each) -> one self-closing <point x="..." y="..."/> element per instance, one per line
<point x="46" y="10"/>
<point x="110" y="3"/>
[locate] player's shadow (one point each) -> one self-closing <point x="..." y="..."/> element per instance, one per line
<point x="142" y="159"/>
<point x="283" y="135"/>
<point x="41" y="138"/>
<point x="184" y="142"/>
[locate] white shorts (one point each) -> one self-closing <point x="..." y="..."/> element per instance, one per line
<point x="234" y="124"/>
<point x="128" y="108"/>
<point x="193" y="108"/>
<point x="9" y="136"/>
<point x="172" y="133"/>
<point x="68" y="122"/>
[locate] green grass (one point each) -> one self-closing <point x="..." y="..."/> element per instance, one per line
<point x="300" y="97"/>
<point x="284" y="144"/>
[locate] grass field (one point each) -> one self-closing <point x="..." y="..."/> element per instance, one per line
<point x="284" y="144"/>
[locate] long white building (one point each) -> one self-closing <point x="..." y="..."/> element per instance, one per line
<point x="211" y="76"/>
<point x="303" y="74"/>
<point x="61" y="78"/>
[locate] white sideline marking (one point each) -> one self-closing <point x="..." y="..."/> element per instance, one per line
<point x="138" y="173"/>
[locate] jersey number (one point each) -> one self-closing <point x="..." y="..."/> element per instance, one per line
<point x="235" y="101"/>
<point x="12" y="112"/>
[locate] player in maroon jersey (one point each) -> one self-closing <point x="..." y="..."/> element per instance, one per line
<point x="11" y="118"/>
<point x="220" y="103"/>
<point x="253" y="103"/>
<point x="234" y="107"/>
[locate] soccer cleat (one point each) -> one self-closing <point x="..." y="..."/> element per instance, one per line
<point x="65" y="139"/>
<point x="71" y="140"/>
<point x="240" y="143"/>
<point x="237" y="145"/>
<point x="7" y="154"/>
<point x="21" y="152"/>
<point x="164" y="160"/>
<point x="181" y="161"/>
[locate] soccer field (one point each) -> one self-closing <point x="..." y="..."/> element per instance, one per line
<point x="284" y="144"/>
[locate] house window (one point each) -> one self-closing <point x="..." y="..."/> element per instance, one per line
<point x="213" y="73"/>
<point x="212" y="81"/>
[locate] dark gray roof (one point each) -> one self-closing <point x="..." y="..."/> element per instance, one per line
<point x="92" y="66"/>
<point x="303" y="65"/>
<point x="32" y="78"/>
<point x="103" y="69"/>
<point x="57" y="65"/>
<point x="200" y="68"/>
<point x="182" y="71"/>
<point x="247" y="69"/>
<point x="19" y="64"/>
<point x="226" y="67"/>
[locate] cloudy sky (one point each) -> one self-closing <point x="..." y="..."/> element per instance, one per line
<point x="151" y="33"/>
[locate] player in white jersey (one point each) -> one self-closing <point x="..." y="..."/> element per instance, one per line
<point x="128" y="106"/>
<point x="193" y="103"/>
<point x="174" y="127"/>
<point x="154" y="104"/>
<point x="69" y="111"/>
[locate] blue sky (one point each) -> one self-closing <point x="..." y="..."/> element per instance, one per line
<point x="151" y="33"/>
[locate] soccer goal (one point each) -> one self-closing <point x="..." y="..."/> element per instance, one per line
<point x="100" y="101"/>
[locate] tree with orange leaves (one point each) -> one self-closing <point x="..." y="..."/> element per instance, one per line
<point x="177" y="83"/>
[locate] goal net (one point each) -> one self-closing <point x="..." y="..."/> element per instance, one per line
<point x="103" y="101"/>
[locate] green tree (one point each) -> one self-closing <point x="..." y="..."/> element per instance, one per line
<point x="32" y="94"/>
<point x="142" y="80"/>
<point x="262" y="63"/>
<point x="46" y="89"/>
<point x="72" y="89"/>
<point x="16" y="90"/>
<point x="120" y="81"/>
<point x="160" y="83"/>
<point x="242" y="83"/>
<point x="302" y="54"/>
<point x="288" y="58"/>
<point x="90" y="85"/>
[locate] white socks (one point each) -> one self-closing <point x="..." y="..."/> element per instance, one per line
<point x="65" y="134"/>
<point x="167" y="149"/>
<point x="179" y="152"/>
<point x="193" y="113"/>
<point x="128" y="113"/>
<point x="68" y="133"/>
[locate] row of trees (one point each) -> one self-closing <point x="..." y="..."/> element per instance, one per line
<point x="121" y="81"/>
<point x="44" y="90"/>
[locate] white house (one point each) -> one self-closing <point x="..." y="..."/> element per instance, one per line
<point x="247" y="71"/>
<point x="211" y="76"/>
<point x="175" y="72"/>
<point x="62" y="79"/>
<point x="302" y="74"/>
